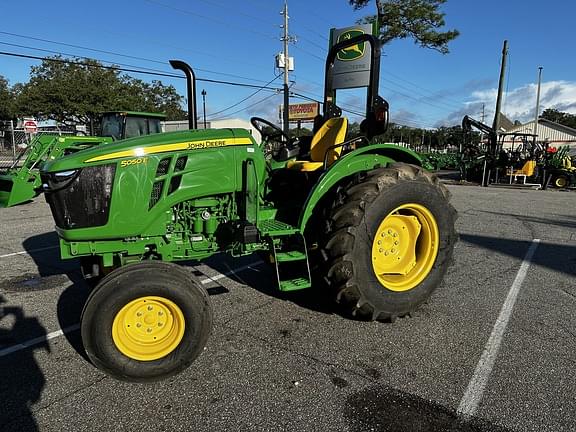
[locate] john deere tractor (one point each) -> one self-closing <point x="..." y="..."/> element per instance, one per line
<point x="363" y="222"/>
<point x="20" y="181"/>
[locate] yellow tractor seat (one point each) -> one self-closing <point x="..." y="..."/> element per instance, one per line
<point x="332" y="132"/>
<point x="527" y="170"/>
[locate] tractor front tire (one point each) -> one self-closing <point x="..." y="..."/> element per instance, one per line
<point x="390" y="241"/>
<point x="145" y="322"/>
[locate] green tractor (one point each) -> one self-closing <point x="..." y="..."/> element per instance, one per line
<point x="20" y="182"/>
<point x="362" y="221"/>
<point x="561" y="170"/>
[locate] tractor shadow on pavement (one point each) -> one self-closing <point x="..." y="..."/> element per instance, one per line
<point x="563" y="221"/>
<point x="69" y="310"/>
<point x="21" y="379"/>
<point x="554" y="256"/>
<point x="44" y="250"/>
<point x="262" y="277"/>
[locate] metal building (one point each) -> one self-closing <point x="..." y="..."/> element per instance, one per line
<point x="556" y="134"/>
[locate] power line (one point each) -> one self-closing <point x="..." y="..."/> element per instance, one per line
<point x="228" y="24"/>
<point x="78" y="56"/>
<point x="151" y="60"/>
<point x="108" y="52"/>
<point x="418" y="100"/>
<point x="247" y="97"/>
<point x="426" y="97"/>
<point x="309" y="53"/>
<point x="414" y="123"/>
<point x="312" y="43"/>
<point x="164" y="74"/>
<point x="417" y="86"/>
<point x="246" y="107"/>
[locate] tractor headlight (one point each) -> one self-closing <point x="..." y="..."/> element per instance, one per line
<point x="63" y="175"/>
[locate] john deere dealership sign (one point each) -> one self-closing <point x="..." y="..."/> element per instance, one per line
<point x="352" y="64"/>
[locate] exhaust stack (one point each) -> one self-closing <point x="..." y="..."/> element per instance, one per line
<point x="191" y="90"/>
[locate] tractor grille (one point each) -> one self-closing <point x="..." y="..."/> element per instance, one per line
<point x="156" y="193"/>
<point x="80" y="198"/>
<point x="174" y="184"/>
<point x="163" y="167"/>
<point x="180" y="163"/>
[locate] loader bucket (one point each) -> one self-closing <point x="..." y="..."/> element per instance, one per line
<point x="17" y="190"/>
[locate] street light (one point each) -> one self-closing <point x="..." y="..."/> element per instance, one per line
<point x="204" y="105"/>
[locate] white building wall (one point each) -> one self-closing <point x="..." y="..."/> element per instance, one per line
<point x="556" y="135"/>
<point x="171" y="126"/>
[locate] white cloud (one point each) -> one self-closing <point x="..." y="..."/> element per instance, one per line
<point x="519" y="103"/>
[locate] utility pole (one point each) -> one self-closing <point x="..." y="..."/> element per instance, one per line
<point x="496" y="123"/>
<point x="537" y="102"/>
<point x="483" y="112"/>
<point x="286" y="38"/>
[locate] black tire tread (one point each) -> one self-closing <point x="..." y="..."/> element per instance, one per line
<point x="347" y="212"/>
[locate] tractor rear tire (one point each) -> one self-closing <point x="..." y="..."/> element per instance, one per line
<point x="146" y="322"/>
<point x="390" y="241"/>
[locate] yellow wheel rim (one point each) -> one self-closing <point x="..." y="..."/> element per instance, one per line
<point x="405" y="247"/>
<point x="561" y="182"/>
<point x="148" y="328"/>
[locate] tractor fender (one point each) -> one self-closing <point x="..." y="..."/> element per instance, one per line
<point x="363" y="159"/>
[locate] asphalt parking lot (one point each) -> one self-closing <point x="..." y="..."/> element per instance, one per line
<point x="494" y="349"/>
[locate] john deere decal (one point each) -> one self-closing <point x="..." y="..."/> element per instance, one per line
<point x="355" y="51"/>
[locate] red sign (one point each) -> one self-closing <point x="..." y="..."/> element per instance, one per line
<point x="30" y="126"/>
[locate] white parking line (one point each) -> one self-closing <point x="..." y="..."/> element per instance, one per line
<point x="473" y="395"/>
<point x="23" y="345"/>
<point x="29" y="252"/>
<point x="38" y="340"/>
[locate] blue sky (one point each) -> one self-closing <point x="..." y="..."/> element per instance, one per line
<point x="240" y="38"/>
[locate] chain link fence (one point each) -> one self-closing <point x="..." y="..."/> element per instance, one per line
<point x="15" y="141"/>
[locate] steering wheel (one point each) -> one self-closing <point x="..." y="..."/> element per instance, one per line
<point x="273" y="138"/>
<point x="276" y="134"/>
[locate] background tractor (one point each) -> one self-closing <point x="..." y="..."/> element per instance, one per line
<point x="374" y="228"/>
<point x="20" y="180"/>
<point x="561" y="167"/>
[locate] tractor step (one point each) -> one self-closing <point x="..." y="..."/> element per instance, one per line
<point x="294" y="284"/>
<point x="275" y="228"/>
<point x="288" y="248"/>
<point x="290" y="256"/>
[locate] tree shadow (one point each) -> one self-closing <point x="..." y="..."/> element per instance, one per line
<point x="554" y="256"/>
<point x="21" y="379"/>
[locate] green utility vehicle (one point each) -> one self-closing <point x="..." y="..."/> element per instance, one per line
<point x="362" y="222"/>
<point x="20" y="182"/>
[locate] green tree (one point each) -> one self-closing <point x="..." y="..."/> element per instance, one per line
<point x="6" y="100"/>
<point x="154" y="96"/>
<point x="560" y="117"/>
<point x="74" y="92"/>
<point x="420" y="20"/>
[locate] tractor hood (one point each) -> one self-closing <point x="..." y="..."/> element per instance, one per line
<point x="152" y="144"/>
